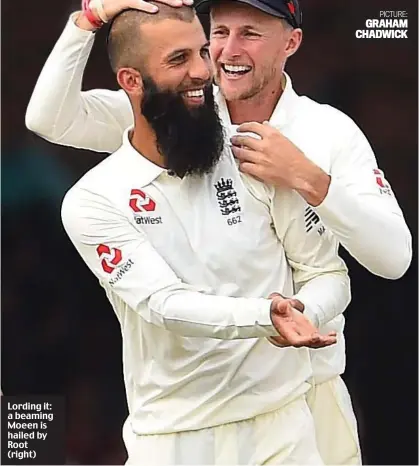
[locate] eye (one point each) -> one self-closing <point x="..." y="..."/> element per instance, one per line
<point x="178" y="59"/>
<point x="205" y="52"/>
<point x="251" y="34"/>
<point x="219" y="33"/>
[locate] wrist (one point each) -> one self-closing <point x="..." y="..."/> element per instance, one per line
<point x="83" y="23"/>
<point x="90" y="15"/>
<point x="313" y="186"/>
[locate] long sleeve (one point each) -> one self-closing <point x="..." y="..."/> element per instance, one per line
<point x="61" y="113"/>
<point x="320" y="276"/>
<point x="125" y="262"/>
<point x="361" y="209"/>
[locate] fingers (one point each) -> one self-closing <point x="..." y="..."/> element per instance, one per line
<point x="314" y="341"/>
<point x="149" y="8"/>
<point x="253" y="127"/>
<point x="295" y="303"/>
<point x="245" y="155"/>
<point x="323" y="341"/>
<point x="252" y="169"/>
<point x="246" y="141"/>
<point x="144" y="6"/>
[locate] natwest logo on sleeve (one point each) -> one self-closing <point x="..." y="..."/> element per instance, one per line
<point x="382" y="183"/>
<point x="110" y="257"/>
<point x="140" y="201"/>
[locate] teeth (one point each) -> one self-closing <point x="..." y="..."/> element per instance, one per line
<point x="197" y="93"/>
<point x="236" y="68"/>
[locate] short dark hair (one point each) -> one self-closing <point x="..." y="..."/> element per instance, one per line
<point x="124" y="36"/>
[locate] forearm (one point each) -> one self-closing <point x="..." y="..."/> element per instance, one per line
<point x="325" y="297"/>
<point x="55" y="101"/>
<point x="376" y="236"/>
<point x="312" y="183"/>
<point x="83" y="23"/>
<point x="194" y="314"/>
<point x="61" y="112"/>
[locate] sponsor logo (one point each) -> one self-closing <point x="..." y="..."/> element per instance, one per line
<point x="141" y="203"/>
<point x="147" y="220"/>
<point x="382" y="183"/>
<point x="122" y="270"/>
<point x="111" y="257"/>
<point x="311" y="220"/>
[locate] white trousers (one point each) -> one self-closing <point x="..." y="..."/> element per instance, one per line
<point x="285" y="436"/>
<point x="335" y="423"/>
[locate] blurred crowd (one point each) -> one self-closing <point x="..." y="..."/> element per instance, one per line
<point x="59" y="334"/>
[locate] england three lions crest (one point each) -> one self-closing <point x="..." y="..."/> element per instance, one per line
<point x="227" y="197"/>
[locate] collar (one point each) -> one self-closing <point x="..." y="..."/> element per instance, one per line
<point x="282" y="110"/>
<point x="145" y="171"/>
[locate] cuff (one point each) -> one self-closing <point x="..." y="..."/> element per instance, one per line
<point x="263" y="318"/>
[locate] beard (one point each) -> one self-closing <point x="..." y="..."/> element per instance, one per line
<point x="191" y="139"/>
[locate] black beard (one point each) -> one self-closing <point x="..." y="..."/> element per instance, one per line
<point x="191" y="140"/>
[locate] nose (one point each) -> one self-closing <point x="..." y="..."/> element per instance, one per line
<point x="200" y="69"/>
<point x="231" y="47"/>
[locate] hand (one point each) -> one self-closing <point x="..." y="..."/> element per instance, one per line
<point x="295" y="303"/>
<point x="112" y="7"/>
<point x="280" y="341"/>
<point x="294" y="328"/>
<point x="275" y="160"/>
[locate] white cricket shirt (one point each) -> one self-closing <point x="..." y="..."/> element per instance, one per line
<point x="186" y="264"/>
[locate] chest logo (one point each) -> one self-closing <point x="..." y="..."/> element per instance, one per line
<point x="227" y="197"/>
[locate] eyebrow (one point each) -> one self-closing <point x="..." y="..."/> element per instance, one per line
<point x="246" y="27"/>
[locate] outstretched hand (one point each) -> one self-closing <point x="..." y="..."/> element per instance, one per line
<point x="294" y="328"/>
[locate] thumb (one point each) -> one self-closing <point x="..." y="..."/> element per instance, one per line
<point x="282" y="307"/>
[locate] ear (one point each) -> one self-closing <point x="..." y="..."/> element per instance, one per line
<point x="294" y="42"/>
<point x="131" y="81"/>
